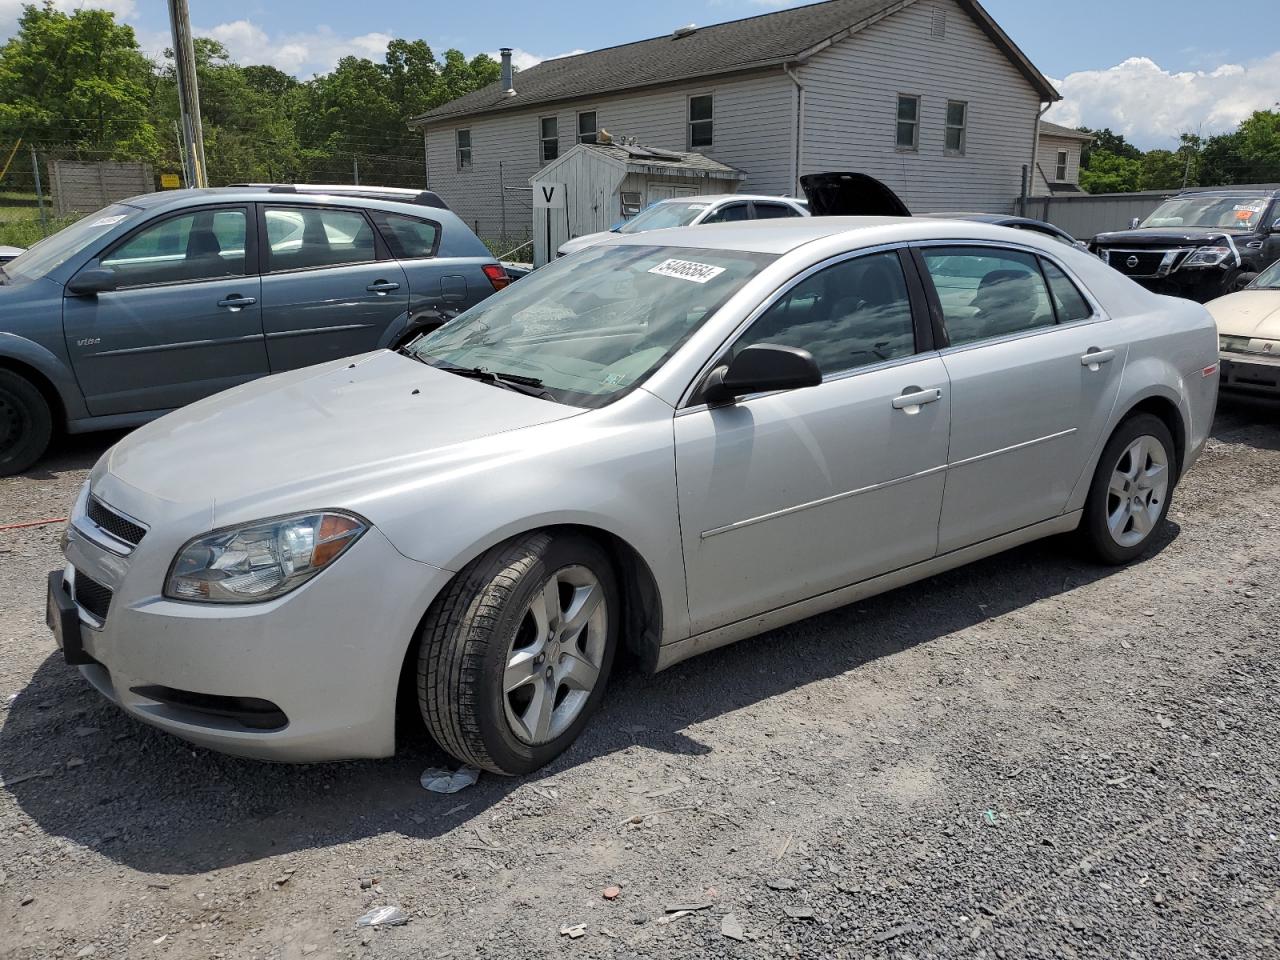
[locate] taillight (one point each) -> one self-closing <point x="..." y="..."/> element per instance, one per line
<point x="497" y="276"/>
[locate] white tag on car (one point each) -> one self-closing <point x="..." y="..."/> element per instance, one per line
<point x="687" y="270"/>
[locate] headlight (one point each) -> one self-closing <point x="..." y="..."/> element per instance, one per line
<point x="1233" y="344"/>
<point x="1249" y="345"/>
<point x="1207" y="256"/>
<point x="260" y="561"/>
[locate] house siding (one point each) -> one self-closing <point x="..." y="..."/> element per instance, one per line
<point x="754" y="123"/>
<point x="1047" y="163"/>
<point x="850" y="105"/>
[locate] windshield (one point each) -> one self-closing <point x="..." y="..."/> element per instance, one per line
<point x="665" y="214"/>
<point x="54" y="251"/>
<point x="1233" y="213"/>
<point x="594" y="326"/>
<point x="1269" y="277"/>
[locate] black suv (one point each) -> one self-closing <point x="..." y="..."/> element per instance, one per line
<point x="1199" y="244"/>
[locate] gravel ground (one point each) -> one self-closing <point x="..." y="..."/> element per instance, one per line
<point x="1030" y="757"/>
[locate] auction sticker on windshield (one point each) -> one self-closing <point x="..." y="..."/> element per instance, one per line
<point x="687" y="270"/>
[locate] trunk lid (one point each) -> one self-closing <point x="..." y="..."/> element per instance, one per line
<point x="850" y="195"/>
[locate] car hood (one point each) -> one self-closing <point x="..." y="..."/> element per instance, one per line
<point x="315" y="437"/>
<point x="584" y="241"/>
<point x="1249" y="313"/>
<point x="850" y="195"/>
<point x="1166" y="236"/>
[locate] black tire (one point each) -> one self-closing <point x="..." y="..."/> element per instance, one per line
<point x="1095" y="531"/>
<point x="26" y="423"/>
<point x="467" y="635"/>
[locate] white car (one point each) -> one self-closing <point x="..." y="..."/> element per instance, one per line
<point x="661" y="445"/>
<point x="1249" y="335"/>
<point x="691" y="211"/>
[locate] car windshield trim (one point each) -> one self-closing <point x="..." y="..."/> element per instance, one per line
<point x="591" y="328"/>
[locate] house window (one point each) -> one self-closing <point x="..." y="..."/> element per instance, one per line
<point x="587" y="127"/>
<point x="463" y="138"/>
<point x="908" y="122"/>
<point x="1060" y="174"/>
<point x="549" y="132"/>
<point x="957" y="118"/>
<point x="700" y="121"/>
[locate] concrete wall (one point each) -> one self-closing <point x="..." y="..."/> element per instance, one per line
<point x="83" y="187"/>
<point x="1086" y="214"/>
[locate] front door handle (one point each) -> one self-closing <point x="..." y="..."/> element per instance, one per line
<point x="236" y="302"/>
<point x="913" y="400"/>
<point x="1094" y="358"/>
<point x="382" y="287"/>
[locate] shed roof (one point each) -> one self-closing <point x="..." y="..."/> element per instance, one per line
<point x="1048" y="129"/>
<point x="769" y="39"/>
<point x="637" y="158"/>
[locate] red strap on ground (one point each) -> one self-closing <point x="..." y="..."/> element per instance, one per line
<point x="32" y="523"/>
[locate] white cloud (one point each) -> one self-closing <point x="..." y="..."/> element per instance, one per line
<point x="10" y="10"/>
<point x="305" y="53"/>
<point x="1151" y="105"/>
<point x="523" y="59"/>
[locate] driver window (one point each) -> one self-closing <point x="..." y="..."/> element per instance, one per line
<point x="204" y="245"/>
<point x="849" y="315"/>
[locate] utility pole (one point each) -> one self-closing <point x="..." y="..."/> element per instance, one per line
<point x="182" y="155"/>
<point x="355" y="170"/>
<point x="184" y="62"/>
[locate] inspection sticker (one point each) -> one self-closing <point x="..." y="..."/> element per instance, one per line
<point x="107" y="221"/>
<point x="687" y="270"/>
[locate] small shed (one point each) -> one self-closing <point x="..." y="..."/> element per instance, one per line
<point x="595" y="185"/>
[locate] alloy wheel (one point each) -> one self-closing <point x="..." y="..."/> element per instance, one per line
<point x="556" y="655"/>
<point x="1137" y="490"/>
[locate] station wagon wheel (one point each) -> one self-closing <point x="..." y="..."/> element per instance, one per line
<point x="1129" y="496"/>
<point x="515" y="654"/>
<point x="26" y="423"/>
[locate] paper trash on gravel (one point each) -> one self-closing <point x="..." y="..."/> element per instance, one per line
<point x="387" y="916"/>
<point x="440" y="780"/>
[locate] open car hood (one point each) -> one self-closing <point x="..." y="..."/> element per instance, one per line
<point x="850" y="195"/>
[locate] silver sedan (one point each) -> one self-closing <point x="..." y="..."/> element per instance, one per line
<point x="659" y="445"/>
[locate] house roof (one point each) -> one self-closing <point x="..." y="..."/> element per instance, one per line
<point x="641" y="159"/>
<point x="1048" y="129"/>
<point x="770" y="39"/>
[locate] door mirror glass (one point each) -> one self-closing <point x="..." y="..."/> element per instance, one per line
<point x="1133" y="224"/>
<point x="1275" y="227"/>
<point x="93" y="281"/>
<point x="761" y="368"/>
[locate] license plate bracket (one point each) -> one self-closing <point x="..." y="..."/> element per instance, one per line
<point x="63" y="617"/>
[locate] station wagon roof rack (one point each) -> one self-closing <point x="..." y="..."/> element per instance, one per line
<point x="423" y="198"/>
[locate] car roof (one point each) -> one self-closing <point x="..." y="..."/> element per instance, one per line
<point x="719" y="197"/>
<point x="174" y="199"/>
<point x="1227" y="192"/>
<point x="787" y="234"/>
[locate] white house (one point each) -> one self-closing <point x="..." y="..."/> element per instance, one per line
<point x="930" y="96"/>
<point x="1058" y="160"/>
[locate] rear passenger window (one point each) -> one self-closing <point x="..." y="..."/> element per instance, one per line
<point x="774" y="211"/>
<point x="302" y="237"/>
<point x="729" y="214"/>
<point x="408" y="237"/>
<point x="849" y="315"/>
<point x="988" y="293"/>
<point x="1067" y="299"/>
<point x="203" y="245"/>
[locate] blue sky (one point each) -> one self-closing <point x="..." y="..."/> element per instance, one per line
<point x="1147" y="67"/>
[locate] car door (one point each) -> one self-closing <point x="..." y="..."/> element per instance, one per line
<point x="729" y="213"/>
<point x="1035" y="370"/>
<point x="330" y="287"/>
<point x="787" y="495"/>
<point x="183" y="321"/>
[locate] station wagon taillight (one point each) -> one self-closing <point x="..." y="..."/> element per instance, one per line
<point x="497" y="276"/>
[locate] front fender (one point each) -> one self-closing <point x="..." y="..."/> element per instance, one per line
<point x="56" y="369"/>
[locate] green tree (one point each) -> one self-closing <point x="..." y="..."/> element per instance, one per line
<point x="1110" y="173"/>
<point x="1108" y="141"/>
<point x="1161" y="170"/>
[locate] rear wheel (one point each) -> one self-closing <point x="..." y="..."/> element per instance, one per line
<point x="515" y="655"/>
<point x="1130" y="494"/>
<point x="26" y="423"/>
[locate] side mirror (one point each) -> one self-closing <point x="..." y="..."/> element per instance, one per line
<point x="1133" y="224"/>
<point x="1275" y="227"/>
<point x="760" y="368"/>
<point x="91" y="282"/>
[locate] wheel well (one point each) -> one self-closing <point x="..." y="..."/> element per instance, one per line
<point x="641" y="612"/>
<point x="41" y="383"/>
<point x="1167" y="412"/>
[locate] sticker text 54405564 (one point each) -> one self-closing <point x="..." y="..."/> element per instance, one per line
<point x="687" y="270"/>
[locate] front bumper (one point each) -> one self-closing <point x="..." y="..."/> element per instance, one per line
<point x="1251" y="373"/>
<point x="326" y="658"/>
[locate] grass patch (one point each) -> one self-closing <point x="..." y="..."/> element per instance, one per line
<point x="25" y="233"/>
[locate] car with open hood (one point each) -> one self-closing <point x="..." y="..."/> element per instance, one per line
<point x="660" y="445"/>
<point x="1200" y="244"/>
<point x="1249" y="335"/>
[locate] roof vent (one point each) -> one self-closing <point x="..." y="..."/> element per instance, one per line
<point x="687" y="30"/>
<point x="507" y="76"/>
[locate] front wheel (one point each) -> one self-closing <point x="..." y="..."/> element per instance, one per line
<point x="26" y="423"/>
<point x="514" y="656"/>
<point x="1129" y="497"/>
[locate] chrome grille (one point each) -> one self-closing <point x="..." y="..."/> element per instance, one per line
<point x="120" y="527"/>
<point x="92" y="595"/>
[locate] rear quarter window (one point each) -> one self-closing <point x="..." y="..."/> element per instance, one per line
<point x="409" y="238"/>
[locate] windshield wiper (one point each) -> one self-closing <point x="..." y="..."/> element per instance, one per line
<point x="529" y="386"/>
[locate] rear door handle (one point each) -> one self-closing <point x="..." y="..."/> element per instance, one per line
<point x="1095" y="358"/>
<point x="913" y="400"/>
<point x="236" y="302"/>
<point x="382" y="287"/>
